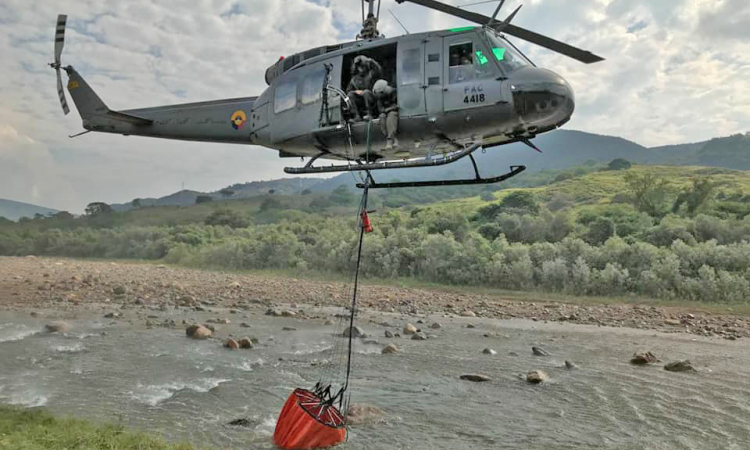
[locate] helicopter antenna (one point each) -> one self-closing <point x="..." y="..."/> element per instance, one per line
<point x="370" y="23"/>
<point x="399" y="22"/>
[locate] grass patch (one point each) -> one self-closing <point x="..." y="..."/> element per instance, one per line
<point x="31" y="429"/>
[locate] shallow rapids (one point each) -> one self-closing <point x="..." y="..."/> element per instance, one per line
<point x="159" y="381"/>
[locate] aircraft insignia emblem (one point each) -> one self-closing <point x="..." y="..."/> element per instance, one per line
<point x="238" y="119"/>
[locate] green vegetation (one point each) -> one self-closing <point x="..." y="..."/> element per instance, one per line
<point x="661" y="232"/>
<point x="38" y="429"/>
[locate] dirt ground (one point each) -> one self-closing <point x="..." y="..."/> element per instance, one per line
<point x="70" y="285"/>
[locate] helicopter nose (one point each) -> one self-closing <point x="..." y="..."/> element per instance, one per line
<point x="541" y="97"/>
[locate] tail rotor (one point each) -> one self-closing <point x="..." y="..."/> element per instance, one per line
<point x="59" y="43"/>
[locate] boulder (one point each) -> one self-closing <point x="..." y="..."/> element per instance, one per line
<point x="388" y="334"/>
<point x="359" y="414"/>
<point x="119" y="290"/>
<point x="198" y="332"/>
<point x="476" y="377"/>
<point x="410" y="329"/>
<point x="273" y="312"/>
<point x="680" y="366"/>
<point x="57" y="327"/>
<point x="468" y="313"/>
<point x="244" y="422"/>
<point x="419" y="337"/>
<point x="246" y="343"/>
<point x="287" y="313"/>
<point x="538" y="351"/>
<point x="537" y="376"/>
<point x="355" y="331"/>
<point x="436" y="326"/>
<point x="390" y="348"/>
<point x="231" y="344"/>
<point x="641" y="358"/>
<point x="489" y="351"/>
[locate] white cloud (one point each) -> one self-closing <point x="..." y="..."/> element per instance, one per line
<point x="676" y="71"/>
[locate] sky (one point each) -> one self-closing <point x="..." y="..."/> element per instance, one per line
<point x="676" y="71"/>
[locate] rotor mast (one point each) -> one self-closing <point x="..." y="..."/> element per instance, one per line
<point x="370" y="23"/>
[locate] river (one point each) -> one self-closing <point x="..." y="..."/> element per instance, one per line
<point x="159" y="381"/>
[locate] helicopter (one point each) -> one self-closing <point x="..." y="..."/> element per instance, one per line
<point x="448" y="106"/>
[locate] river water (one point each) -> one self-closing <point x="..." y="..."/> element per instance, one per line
<point x="159" y="381"/>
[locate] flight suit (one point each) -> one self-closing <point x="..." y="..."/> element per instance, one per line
<point x="388" y="107"/>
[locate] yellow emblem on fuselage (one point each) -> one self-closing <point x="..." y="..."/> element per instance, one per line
<point x="72" y="84"/>
<point x="238" y="119"/>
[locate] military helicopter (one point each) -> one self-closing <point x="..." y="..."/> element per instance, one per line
<point x="459" y="90"/>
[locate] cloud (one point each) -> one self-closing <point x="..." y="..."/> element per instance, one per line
<point x="676" y="71"/>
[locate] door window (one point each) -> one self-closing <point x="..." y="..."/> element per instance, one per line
<point x="311" y="87"/>
<point x="467" y="62"/>
<point x="411" y="66"/>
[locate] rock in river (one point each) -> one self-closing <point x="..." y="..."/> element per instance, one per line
<point x="245" y="343"/>
<point x="537" y="376"/>
<point x="419" y="337"/>
<point x="198" y="332"/>
<point x="641" y="358"/>
<point x="680" y="366"/>
<point x="360" y="413"/>
<point x="57" y="327"/>
<point x="409" y="329"/>
<point x="570" y="365"/>
<point x="231" y="344"/>
<point x="475" y="377"/>
<point x="388" y="334"/>
<point x="355" y="331"/>
<point x="538" y="351"/>
<point x="390" y="348"/>
<point x="489" y="351"/>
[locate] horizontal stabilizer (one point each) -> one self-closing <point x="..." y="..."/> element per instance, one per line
<point x="129" y="118"/>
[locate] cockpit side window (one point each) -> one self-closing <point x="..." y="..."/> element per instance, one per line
<point x="466" y="62"/>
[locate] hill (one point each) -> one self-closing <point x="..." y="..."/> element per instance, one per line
<point x="13" y="210"/>
<point x="562" y="150"/>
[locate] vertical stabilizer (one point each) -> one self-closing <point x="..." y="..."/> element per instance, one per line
<point x="87" y="102"/>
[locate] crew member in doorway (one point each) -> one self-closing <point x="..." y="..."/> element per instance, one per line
<point x="388" y="107"/>
<point x="364" y="73"/>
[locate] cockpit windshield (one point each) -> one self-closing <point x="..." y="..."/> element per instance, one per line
<point x="506" y="56"/>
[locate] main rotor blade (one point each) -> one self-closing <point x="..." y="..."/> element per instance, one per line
<point x="61" y="93"/>
<point x="60" y="36"/>
<point x="521" y="33"/>
<point x="584" y="56"/>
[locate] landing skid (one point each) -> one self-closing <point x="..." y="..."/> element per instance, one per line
<point x="514" y="170"/>
<point x="370" y="182"/>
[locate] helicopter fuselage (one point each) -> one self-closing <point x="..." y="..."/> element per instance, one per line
<point x="453" y="86"/>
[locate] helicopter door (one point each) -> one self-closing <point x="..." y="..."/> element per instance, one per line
<point x="410" y="78"/>
<point x="433" y="76"/>
<point x="468" y="74"/>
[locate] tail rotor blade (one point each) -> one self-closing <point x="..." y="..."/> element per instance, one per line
<point x="61" y="93"/>
<point x="60" y="36"/>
